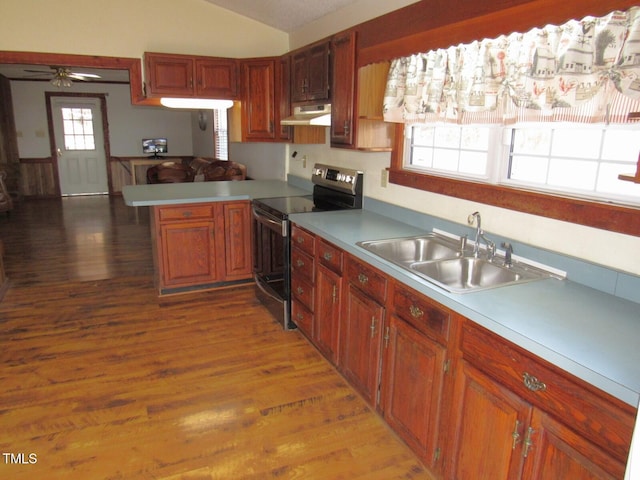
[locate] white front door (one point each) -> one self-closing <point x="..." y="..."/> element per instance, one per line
<point x="82" y="166"/>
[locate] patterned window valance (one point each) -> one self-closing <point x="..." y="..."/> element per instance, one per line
<point x="582" y="71"/>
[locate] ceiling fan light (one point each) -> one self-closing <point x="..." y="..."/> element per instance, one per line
<point x="196" y="103"/>
<point x="61" y="81"/>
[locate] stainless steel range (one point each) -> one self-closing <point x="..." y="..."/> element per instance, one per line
<point x="335" y="188"/>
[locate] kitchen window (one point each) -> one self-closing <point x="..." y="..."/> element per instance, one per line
<point x="569" y="159"/>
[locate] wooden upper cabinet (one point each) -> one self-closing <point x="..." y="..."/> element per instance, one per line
<point x="310" y="74"/>
<point x="190" y="76"/>
<point x="169" y="74"/>
<point x="258" y="104"/>
<point x="283" y="97"/>
<point x="216" y="77"/>
<point x="343" y="54"/>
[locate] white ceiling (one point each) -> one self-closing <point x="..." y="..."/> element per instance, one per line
<point x="285" y="15"/>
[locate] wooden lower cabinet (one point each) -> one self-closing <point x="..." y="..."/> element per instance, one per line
<point x="238" y="260"/>
<point x="413" y="377"/>
<point x="328" y="304"/>
<point x="201" y="245"/>
<point x="469" y="403"/>
<point x="327" y="312"/>
<point x="361" y="326"/>
<point x="489" y="430"/>
<point x="516" y="417"/>
<point x="303" y="279"/>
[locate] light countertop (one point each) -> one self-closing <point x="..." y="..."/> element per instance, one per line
<point x="193" y="192"/>
<point x="588" y="333"/>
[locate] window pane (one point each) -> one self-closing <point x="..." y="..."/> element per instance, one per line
<point x="447" y="137"/>
<point x="621" y="145"/>
<point x="423" y="135"/>
<point x="446" y="160"/>
<point x="475" y="138"/>
<point x="422" y="157"/>
<point x="578" y="142"/>
<point x="608" y="181"/>
<point x="529" y="169"/>
<point x="78" y="129"/>
<point x="578" y="174"/>
<point x="474" y="163"/>
<point x="532" y="141"/>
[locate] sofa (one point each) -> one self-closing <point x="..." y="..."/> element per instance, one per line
<point x="198" y="169"/>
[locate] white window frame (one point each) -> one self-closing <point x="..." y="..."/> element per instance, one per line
<point x="498" y="164"/>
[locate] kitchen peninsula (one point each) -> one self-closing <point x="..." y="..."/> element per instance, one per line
<point x="201" y="231"/>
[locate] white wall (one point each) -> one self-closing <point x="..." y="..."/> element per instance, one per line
<point x="125" y="28"/>
<point x="128" y="124"/>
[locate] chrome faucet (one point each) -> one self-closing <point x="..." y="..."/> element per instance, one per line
<point x="491" y="246"/>
<point x="508" y="251"/>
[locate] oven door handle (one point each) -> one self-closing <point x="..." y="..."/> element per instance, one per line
<point x="266" y="219"/>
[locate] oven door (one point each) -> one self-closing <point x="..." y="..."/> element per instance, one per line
<point x="271" y="270"/>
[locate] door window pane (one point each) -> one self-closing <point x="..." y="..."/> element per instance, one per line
<point x="78" y="129"/>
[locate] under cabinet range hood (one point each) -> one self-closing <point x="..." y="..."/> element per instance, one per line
<point x="316" y="115"/>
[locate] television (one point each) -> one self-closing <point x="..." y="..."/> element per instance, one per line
<point x="154" y="145"/>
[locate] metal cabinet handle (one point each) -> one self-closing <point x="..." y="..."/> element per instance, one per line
<point x="299" y="263"/>
<point x="327" y="256"/>
<point x="299" y="291"/>
<point x="532" y="383"/>
<point x="373" y="326"/>
<point x="515" y="435"/>
<point x="415" y="311"/>
<point x="528" y="442"/>
<point x="334" y="294"/>
<point x="386" y="337"/>
<point x="300" y="240"/>
<point x="187" y="214"/>
<point x="363" y="279"/>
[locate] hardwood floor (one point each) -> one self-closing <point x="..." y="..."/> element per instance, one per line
<point x="102" y="380"/>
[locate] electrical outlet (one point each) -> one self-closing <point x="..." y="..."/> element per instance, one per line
<point x="384" y="178"/>
<point x="304" y="161"/>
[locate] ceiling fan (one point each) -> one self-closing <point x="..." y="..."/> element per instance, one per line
<point x="64" y="76"/>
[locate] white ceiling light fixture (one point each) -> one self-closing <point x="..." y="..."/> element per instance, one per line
<point x="196" y="103"/>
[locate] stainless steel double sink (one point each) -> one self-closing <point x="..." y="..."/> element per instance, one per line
<point x="441" y="261"/>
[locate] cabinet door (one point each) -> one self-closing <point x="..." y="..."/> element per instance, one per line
<point x="360" y="335"/>
<point x="258" y="116"/>
<point x="318" y="72"/>
<point x="489" y="428"/>
<point x="343" y="54"/>
<point x="283" y="97"/>
<point x="188" y="253"/>
<point x="413" y="377"/>
<point x="237" y="236"/>
<point x="310" y="74"/>
<point x="217" y="78"/>
<point x="327" y="312"/>
<point x="555" y="451"/>
<point x="169" y="75"/>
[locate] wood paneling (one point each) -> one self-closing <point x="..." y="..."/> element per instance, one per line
<point x="101" y="379"/>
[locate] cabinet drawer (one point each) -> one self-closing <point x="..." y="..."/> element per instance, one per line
<point x="423" y="314"/>
<point x="303" y="240"/>
<point x="604" y="420"/>
<point x="302" y="264"/>
<point x="302" y="317"/>
<point x="185" y="212"/>
<point x="330" y="256"/>
<point x="367" y="279"/>
<point x="303" y="291"/>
